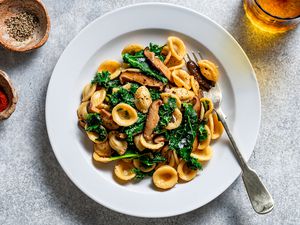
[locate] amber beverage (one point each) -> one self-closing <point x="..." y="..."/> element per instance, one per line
<point x="273" y="15"/>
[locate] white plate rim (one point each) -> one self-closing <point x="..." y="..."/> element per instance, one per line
<point x="51" y="133"/>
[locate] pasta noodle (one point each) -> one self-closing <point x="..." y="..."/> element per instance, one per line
<point x="184" y="172"/>
<point x="113" y="67"/>
<point x="123" y="170"/>
<point x="147" y="113"/>
<point x="165" y="177"/>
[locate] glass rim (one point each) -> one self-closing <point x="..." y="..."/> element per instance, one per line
<point x="276" y="17"/>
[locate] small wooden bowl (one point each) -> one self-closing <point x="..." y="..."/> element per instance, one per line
<point x="7" y="87"/>
<point x="9" y="8"/>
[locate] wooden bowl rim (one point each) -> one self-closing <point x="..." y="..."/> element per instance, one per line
<point x="13" y="101"/>
<point x="42" y="41"/>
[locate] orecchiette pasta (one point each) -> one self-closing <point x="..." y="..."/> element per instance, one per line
<point x="149" y="115"/>
<point x="132" y="49"/>
<point x="88" y="91"/>
<point x="119" y="146"/>
<point x="124" y="171"/>
<point x="165" y="177"/>
<point x="124" y="115"/>
<point x="176" y="47"/>
<point x="176" y="120"/>
<point x="182" y="93"/>
<point x="203" y="155"/>
<point x="113" y="67"/>
<point x="181" y="79"/>
<point x="103" y="149"/>
<point x="206" y="142"/>
<point x="209" y="70"/>
<point x="97" y="100"/>
<point x="184" y="172"/>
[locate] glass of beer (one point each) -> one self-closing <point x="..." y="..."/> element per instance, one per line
<point x="274" y="16"/>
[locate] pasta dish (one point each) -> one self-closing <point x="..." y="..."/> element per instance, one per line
<point x="149" y="115"/>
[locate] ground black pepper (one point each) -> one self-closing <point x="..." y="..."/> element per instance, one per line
<point x="22" y="25"/>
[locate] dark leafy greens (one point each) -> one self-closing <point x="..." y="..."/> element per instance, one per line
<point x="124" y="95"/>
<point x="156" y="49"/>
<point x="155" y="94"/>
<point x="148" y="161"/>
<point x="103" y="80"/>
<point x="140" y="175"/>
<point x="181" y="139"/>
<point x="135" y="128"/>
<point x="202" y="132"/>
<point x="165" y="115"/>
<point x="139" y="61"/>
<point x="94" y="124"/>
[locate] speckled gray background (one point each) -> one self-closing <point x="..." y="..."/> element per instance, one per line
<point x="35" y="190"/>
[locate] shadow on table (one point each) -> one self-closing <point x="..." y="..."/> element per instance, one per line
<point x="15" y="59"/>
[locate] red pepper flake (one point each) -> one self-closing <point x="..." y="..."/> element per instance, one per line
<point x="3" y="101"/>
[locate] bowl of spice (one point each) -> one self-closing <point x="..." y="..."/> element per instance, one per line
<point x="24" y="25"/>
<point x="8" y="96"/>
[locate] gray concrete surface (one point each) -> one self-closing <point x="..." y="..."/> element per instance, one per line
<point x="35" y="190"/>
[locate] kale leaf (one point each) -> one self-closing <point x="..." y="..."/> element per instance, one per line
<point x="181" y="139"/>
<point x="165" y="115"/>
<point x="148" y="161"/>
<point x="135" y="128"/>
<point x="103" y="80"/>
<point x="140" y="175"/>
<point x="202" y="132"/>
<point x="155" y="94"/>
<point x="94" y="124"/>
<point x="124" y="95"/>
<point x="139" y="61"/>
<point x="156" y="49"/>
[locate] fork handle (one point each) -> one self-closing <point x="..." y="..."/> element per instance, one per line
<point x="260" y="198"/>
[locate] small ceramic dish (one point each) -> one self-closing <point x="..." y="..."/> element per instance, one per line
<point x="40" y="34"/>
<point x="7" y="87"/>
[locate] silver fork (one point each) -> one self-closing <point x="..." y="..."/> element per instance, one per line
<point x="260" y="198"/>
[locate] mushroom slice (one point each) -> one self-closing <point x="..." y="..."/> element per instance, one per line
<point x="182" y="93"/>
<point x="96" y="100"/>
<point x="143" y="99"/>
<point x="165" y="177"/>
<point x="103" y="149"/>
<point x="184" y="172"/>
<point x="82" y="110"/>
<point x="152" y="119"/>
<point x="124" y="170"/>
<point x="175" y="121"/>
<point x="150" y="145"/>
<point x="141" y="79"/>
<point x="203" y="155"/>
<point x="124" y="115"/>
<point x="177" y="47"/>
<point x="196" y="105"/>
<point x="101" y="159"/>
<point x="119" y="146"/>
<point x="157" y="63"/>
<point x="112" y="66"/>
<point x="137" y="142"/>
<point x="181" y="78"/>
<point x="132" y="49"/>
<point x="107" y="120"/>
<point x="165" y="97"/>
<point x="209" y="70"/>
<point x="88" y="91"/>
